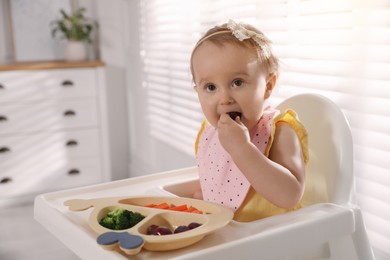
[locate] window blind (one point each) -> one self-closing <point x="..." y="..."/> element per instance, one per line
<point x="338" y="48"/>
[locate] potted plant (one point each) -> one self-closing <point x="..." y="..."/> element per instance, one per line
<point x="76" y="29"/>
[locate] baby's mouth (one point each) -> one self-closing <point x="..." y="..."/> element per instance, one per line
<point x="234" y="114"/>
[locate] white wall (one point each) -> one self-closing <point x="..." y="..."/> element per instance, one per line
<point x="109" y="15"/>
<point x="5" y="43"/>
<point x="2" y="33"/>
<point x="119" y="47"/>
<point x="147" y="155"/>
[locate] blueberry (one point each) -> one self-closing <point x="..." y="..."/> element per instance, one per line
<point x="161" y="231"/>
<point x="180" y="229"/>
<point x="193" y="225"/>
<point x="152" y="230"/>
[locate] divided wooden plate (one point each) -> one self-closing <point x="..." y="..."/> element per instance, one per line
<point x="132" y="240"/>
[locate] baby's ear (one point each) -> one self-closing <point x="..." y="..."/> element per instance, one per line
<point x="195" y="88"/>
<point x="271" y="82"/>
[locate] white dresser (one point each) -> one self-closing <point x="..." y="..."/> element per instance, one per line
<point x="53" y="128"/>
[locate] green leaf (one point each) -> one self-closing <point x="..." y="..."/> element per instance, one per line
<point x="74" y="26"/>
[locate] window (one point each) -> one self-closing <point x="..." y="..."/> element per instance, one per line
<point x="338" y="48"/>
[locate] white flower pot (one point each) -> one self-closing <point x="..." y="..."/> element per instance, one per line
<point x="75" y="51"/>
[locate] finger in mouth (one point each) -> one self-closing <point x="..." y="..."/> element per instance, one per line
<point x="234" y="114"/>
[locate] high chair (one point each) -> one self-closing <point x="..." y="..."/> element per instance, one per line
<point x="337" y="234"/>
<point x="329" y="226"/>
<point x="329" y="173"/>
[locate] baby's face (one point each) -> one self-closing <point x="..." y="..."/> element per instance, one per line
<point x="229" y="79"/>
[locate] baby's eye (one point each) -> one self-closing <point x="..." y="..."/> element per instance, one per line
<point x="210" y="88"/>
<point x="237" y="82"/>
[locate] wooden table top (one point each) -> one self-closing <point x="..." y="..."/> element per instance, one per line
<point x="54" y="64"/>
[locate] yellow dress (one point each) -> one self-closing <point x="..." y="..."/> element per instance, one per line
<point x="254" y="206"/>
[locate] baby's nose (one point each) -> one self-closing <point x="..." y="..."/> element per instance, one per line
<point x="226" y="98"/>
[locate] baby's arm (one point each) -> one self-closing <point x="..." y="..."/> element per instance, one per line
<point x="279" y="178"/>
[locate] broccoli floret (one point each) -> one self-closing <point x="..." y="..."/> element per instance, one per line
<point x="107" y="222"/>
<point x="135" y="218"/>
<point x="121" y="219"/>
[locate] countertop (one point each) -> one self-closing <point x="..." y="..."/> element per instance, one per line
<point x="53" y="64"/>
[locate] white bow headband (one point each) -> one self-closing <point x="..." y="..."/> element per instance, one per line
<point x="241" y="33"/>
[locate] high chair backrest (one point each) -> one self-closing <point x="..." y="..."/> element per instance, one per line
<point x="329" y="172"/>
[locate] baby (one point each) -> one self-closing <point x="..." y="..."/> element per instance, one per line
<point x="250" y="157"/>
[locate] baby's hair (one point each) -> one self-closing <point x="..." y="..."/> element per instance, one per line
<point x="222" y="34"/>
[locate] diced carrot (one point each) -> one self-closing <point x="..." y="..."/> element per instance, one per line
<point x="190" y="209"/>
<point x="194" y="210"/>
<point x="179" y="208"/>
<point x="163" y="205"/>
<point x="182" y="208"/>
<point x="197" y="211"/>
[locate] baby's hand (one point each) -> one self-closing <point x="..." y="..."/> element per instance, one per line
<point x="232" y="133"/>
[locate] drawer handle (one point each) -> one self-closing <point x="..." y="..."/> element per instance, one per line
<point x="67" y="83"/>
<point x="69" y="113"/>
<point x="71" y="143"/>
<point x="2" y="86"/>
<point x="73" y="172"/>
<point x="5" y="180"/>
<point x="3" y="118"/>
<point x="4" y="150"/>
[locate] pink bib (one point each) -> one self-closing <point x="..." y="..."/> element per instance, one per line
<point x="221" y="180"/>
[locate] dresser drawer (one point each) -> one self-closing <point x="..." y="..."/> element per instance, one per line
<point x="24" y="151"/>
<point x="22" y="86"/>
<point x="49" y="115"/>
<point x="53" y="127"/>
<point x="51" y="176"/>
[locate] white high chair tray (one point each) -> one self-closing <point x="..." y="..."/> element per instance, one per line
<point x="273" y="236"/>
